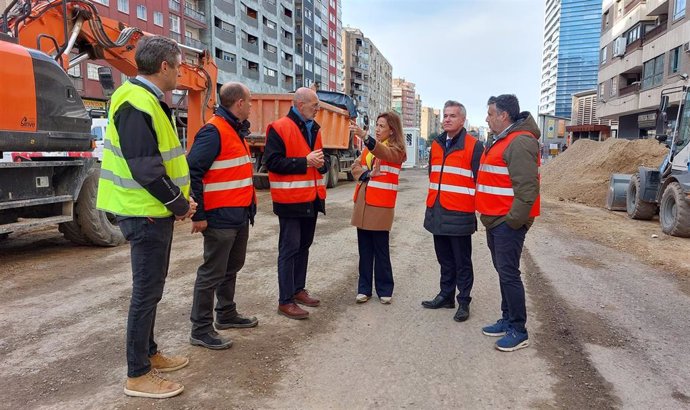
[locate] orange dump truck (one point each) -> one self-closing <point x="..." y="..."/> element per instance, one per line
<point x="334" y="116"/>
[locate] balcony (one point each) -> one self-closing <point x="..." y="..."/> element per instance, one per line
<point x="273" y="57"/>
<point x="270" y="6"/>
<point x="250" y="21"/>
<point x="226" y="36"/>
<point x="270" y="32"/>
<point x="195" y="14"/>
<point x="226" y="66"/>
<point x="288" y="84"/>
<point x="633" y="88"/>
<point x="286" y="63"/>
<point x="252" y="47"/>
<point x="174" y="5"/>
<point x="286" y="41"/>
<point x="633" y="46"/>
<point x="192" y="42"/>
<point x="631" y="5"/>
<point x="175" y="36"/>
<point x="271" y="80"/>
<point x="227" y="7"/>
<point x="287" y="20"/>
<point x="653" y="33"/>
<point x="250" y="73"/>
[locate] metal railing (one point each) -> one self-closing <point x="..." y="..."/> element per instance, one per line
<point x="633" y="88"/>
<point x="194" y="13"/>
<point x="174" y="5"/>
<point x="192" y="42"/>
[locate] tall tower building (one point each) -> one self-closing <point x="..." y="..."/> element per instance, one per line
<point x="570" y="54"/>
<point x="367" y="76"/>
<point x="317" y="43"/>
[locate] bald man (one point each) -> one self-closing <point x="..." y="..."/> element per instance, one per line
<point x="221" y="180"/>
<point x="296" y="163"/>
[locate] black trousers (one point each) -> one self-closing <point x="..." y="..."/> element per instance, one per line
<point x="454" y="254"/>
<point x="505" y="244"/>
<point x="374" y="261"/>
<point x="224" y="254"/>
<point x="149" y="240"/>
<point x="296" y="236"/>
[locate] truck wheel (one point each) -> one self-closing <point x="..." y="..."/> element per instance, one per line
<point x="72" y="232"/>
<point x="635" y="206"/>
<point x="674" y="211"/>
<point x="333" y="172"/>
<point x="98" y="226"/>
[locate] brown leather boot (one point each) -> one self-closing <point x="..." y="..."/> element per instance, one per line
<point x="152" y="386"/>
<point x="293" y="311"/>
<point x="166" y="364"/>
<point x="302" y="297"/>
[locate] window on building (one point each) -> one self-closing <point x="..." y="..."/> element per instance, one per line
<point x="224" y="55"/>
<point x="270" y="48"/>
<point x="614" y="87"/>
<point x="224" y="25"/>
<point x="605" y="20"/>
<point x="308" y="66"/>
<point x="653" y="72"/>
<point x="601" y="90"/>
<point x="175" y="24"/>
<point x="158" y="18"/>
<point x="603" y="55"/>
<point x="679" y="9"/>
<point x="92" y="71"/>
<point x="287" y="12"/>
<point x="270" y="24"/>
<point x="270" y="73"/>
<point x="75" y="71"/>
<point x="106" y="2"/>
<point x="141" y="12"/>
<point x="250" y="12"/>
<point x="674" y="60"/>
<point x="632" y="35"/>
<point x="619" y="8"/>
<point x="123" y="6"/>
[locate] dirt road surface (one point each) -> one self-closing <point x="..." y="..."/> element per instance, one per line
<point x="608" y="307"/>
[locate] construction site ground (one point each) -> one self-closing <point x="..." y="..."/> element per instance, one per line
<point x="608" y="302"/>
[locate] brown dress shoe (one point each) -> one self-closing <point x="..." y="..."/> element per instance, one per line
<point x="302" y="297"/>
<point x="293" y="311"/>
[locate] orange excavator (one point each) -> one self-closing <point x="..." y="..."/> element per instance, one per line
<point x="42" y="111"/>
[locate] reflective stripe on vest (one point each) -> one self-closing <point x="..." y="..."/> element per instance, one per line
<point x="451" y="180"/>
<point x="381" y="190"/>
<point x="118" y="192"/>
<point x="494" y="188"/>
<point x="295" y="188"/>
<point x="228" y="182"/>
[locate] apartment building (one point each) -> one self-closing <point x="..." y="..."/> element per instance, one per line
<point x="318" y="44"/>
<point x="569" y="56"/>
<point x="644" y="50"/>
<point x="253" y="42"/>
<point x="404" y="102"/>
<point x="431" y="122"/>
<point x="368" y="76"/>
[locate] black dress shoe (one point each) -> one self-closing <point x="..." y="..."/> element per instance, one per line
<point x="462" y="314"/>
<point x="238" y="321"/>
<point x="211" y="340"/>
<point x="439" y="302"/>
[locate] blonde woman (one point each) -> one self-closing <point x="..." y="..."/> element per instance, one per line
<point x="377" y="171"/>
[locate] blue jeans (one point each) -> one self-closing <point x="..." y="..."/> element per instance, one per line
<point x="505" y="244"/>
<point x="374" y="262"/>
<point x="454" y="254"/>
<point x="150" y="241"/>
<point x="296" y="236"/>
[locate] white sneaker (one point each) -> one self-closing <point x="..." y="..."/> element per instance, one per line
<point x="386" y="300"/>
<point x="361" y="298"/>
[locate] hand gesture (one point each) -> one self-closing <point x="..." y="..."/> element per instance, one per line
<point x="315" y="159"/>
<point x="199" y="226"/>
<point x="190" y="212"/>
<point x="375" y="168"/>
<point x="357" y="130"/>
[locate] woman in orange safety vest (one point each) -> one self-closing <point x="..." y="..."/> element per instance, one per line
<point x="377" y="171"/>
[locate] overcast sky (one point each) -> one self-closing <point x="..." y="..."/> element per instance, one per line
<point x="466" y="50"/>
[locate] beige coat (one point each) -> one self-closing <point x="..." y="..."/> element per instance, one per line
<point x="374" y="218"/>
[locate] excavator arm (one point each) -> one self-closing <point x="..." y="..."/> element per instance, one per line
<point x="72" y="31"/>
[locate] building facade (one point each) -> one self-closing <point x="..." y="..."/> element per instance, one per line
<point x="318" y="44"/>
<point x="584" y="121"/>
<point x="644" y="50"/>
<point x="253" y="42"/>
<point x="404" y="102"/>
<point x="367" y="76"/>
<point x="430" y="122"/>
<point x="570" y="53"/>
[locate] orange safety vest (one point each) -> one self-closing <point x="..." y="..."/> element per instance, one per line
<point x="382" y="190"/>
<point x="295" y="188"/>
<point x="451" y="177"/>
<point x="494" y="188"/>
<point x="228" y="183"/>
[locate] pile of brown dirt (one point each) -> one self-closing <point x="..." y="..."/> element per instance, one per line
<point x="581" y="173"/>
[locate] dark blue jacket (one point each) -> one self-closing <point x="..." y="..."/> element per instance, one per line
<point x="205" y="149"/>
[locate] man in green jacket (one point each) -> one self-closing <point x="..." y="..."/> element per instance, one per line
<point x="145" y="183"/>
